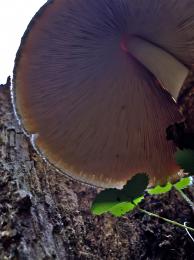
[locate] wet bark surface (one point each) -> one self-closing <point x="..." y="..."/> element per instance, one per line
<point x="45" y="215"/>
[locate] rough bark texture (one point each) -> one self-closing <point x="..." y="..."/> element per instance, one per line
<point x="44" y="215"/>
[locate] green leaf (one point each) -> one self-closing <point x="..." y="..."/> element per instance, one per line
<point x="183" y="183"/>
<point x="106" y="200"/>
<point x="121" y="209"/>
<point x="160" y="189"/>
<point x="185" y="159"/>
<point x="138" y="200"/>
<point x="109" y="198"/>
<point x="136" y="186"/>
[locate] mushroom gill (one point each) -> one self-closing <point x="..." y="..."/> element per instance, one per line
<point x="93" y="80"/>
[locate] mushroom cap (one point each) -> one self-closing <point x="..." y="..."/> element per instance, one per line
<point x="100" y="115"/>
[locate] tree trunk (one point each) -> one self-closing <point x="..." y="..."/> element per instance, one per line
<point x="45" y="215"/>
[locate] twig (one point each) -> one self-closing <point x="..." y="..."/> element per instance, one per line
<point x="167" y="220"/>
<point x="188" y="232"/>
<point x="186" y="198"/>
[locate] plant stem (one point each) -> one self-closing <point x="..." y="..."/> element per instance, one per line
<point x="166" y="219"/>
<point x="186" y="198"/>
<point x="188" y="232"/>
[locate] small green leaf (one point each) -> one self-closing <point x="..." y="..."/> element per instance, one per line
<point x="138" y="200"/>
<point x="185" y="159"/>
<point x="106" y="200"/>
<point x="160" y="189"/>
<point x="136" y="186"/>
<point x="125" y="207"/>
<point x="109" y="198"/>
<point x="121" y="209"/>
<point x="183" y="183"/>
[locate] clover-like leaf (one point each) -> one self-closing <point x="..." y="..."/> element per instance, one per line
<point x="138" y="200"/>
<point x="115" y="200"/>
<point x="136" y="186"/>
<point x="106" y="200"/>
<point x="185" y="159"/>
<point x="183" y="183"/>
<point x="160" y="189"/>
<point x="121" y="209"/>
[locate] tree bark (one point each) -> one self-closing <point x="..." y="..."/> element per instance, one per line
<point x="45" y="215"/>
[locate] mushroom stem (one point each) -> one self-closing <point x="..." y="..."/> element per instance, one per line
<point x="170" y="72"/>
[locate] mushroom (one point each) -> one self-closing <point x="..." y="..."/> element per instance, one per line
<point x="96" y="82"/>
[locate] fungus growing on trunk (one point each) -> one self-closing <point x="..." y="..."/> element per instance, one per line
<point x="96" y="81"/>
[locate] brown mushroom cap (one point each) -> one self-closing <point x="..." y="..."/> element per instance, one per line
<point x="100" y="114"/>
